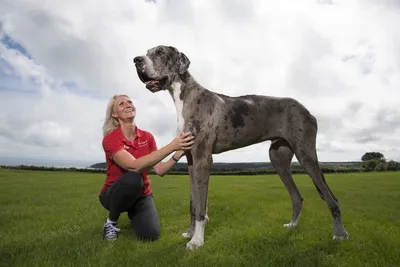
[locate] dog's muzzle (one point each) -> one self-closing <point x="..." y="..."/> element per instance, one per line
<point x="153" y="84"/>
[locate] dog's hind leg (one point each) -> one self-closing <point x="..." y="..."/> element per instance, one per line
<point x="320" y="192"/>
<point x="306" y="154"/>
<point x="281" y="156"/>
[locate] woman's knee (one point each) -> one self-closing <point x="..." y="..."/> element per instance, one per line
<point x="151" y="234"/>
<point x="145" y="222"/>
<point x="132" y="179"/>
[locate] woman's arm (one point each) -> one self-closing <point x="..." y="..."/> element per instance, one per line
<point x="126" y="161"/>
<point x="162" y="168"/>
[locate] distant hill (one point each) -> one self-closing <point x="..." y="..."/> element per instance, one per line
<point x="218" y="168"/>
<point x="216" y="165"/>
<point x="222" y="167"/>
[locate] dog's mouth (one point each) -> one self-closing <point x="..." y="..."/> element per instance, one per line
<point x="154" y="85"/>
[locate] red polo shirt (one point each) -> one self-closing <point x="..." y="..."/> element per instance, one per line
<point x="143" y="144"/>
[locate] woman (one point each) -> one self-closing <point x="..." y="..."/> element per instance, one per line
<point x="130" y="152"/>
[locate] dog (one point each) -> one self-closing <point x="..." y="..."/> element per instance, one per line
<point x="221" y="123"/>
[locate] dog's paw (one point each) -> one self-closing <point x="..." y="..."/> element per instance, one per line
<point x="290" y="225"/>
<point x="340" y="234"/>
<point x="187" y="235"/>
<point x="194" y="244"/>
<point x="341" y="237"/>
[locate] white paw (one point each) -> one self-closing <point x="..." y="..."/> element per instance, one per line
<point x="340" y="234"/>
<point x="290" y="225"/>
<point x="340" y="238"/>
<point x="187" y="235"/>
<point x="194" y="244"/>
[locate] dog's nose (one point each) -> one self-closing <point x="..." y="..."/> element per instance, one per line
<point x="138" y="60"/>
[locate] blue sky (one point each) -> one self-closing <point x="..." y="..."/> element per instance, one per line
<point x="10" y="81"/>
<point x="12" y="44"/>
<point x="61" y="61"/>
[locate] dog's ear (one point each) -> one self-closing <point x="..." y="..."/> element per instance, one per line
<point x="184" y="63"/>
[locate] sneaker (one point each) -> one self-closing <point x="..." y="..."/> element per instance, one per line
<point x="110" y="231"/>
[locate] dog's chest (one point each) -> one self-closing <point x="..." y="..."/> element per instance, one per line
<point x="179" y="106"/>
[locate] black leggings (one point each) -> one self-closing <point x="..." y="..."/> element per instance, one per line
<point x="124" y="195"/>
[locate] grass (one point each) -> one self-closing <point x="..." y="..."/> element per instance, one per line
<point x="55" y="219"/>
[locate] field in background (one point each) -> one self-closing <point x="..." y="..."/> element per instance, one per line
<point x="55" y="219"/>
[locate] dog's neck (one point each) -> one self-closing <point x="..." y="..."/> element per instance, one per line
<point x="182" y="87"/>
<point x="182" y="90"/>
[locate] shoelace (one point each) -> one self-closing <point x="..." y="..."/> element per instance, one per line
<point x="111" y="230"/>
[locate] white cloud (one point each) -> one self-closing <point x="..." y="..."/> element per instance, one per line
<point x="339" y="58"/>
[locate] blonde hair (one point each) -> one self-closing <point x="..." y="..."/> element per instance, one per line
<point x="111" y="123"/>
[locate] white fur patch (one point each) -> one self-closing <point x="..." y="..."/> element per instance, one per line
<point x="290" y="225"/>
<point x="339" y="238"/>
<point x="178" y="104"/>
<point x="198" y="236"/>
<point x="250" y="102"/>
<point x="187" y="235"/>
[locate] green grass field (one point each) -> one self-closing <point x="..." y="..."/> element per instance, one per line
<point x="55" y="219"/>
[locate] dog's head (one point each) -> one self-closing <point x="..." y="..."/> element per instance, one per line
<point x="160" y="66"/>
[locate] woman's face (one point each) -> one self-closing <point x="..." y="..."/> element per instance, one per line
<point x="124" y="109"/>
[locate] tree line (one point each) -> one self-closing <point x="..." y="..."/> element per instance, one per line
<point x="370" y="161"/>
<point x="375" y="161"/>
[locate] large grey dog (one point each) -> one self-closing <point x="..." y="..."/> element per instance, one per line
<point x="221" y="123"/>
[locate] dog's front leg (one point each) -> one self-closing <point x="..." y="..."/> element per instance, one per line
<point x="192" y="207"/>
<point x="200" y="179"/>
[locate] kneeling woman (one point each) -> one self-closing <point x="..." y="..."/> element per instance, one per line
<point x="130" y="152"/>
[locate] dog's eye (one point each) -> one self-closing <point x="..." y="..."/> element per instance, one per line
<point x="160" y="52"/>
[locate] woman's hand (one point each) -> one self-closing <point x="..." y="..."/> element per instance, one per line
<point x="179" y="154"/>
<point x="183" y="141"/>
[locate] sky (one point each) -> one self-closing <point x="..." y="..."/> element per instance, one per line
<point x="61" y="61"/>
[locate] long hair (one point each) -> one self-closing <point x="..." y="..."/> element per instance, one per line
<point x="110" y="123"/>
